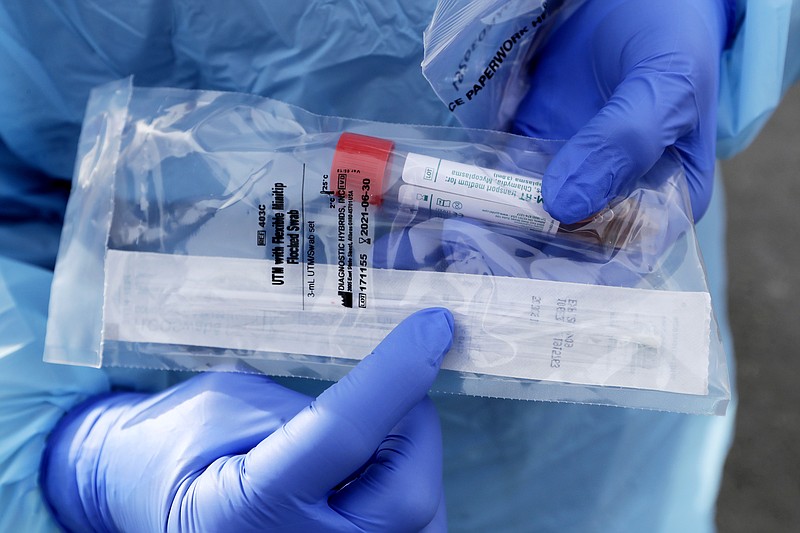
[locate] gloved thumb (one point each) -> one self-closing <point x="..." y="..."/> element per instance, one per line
<point x="648" y="111"/>
<point x="339" y="432"/>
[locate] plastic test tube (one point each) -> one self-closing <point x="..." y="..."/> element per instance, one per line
<point x="451" y="189"/>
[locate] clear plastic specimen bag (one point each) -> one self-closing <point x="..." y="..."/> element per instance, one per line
<point x="230" y="231"/>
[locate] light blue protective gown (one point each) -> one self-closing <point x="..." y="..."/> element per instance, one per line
<point x="509" y="466"/>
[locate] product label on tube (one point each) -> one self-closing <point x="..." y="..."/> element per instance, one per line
<point x="517" y="199"/>
<point x="447" y="205"/>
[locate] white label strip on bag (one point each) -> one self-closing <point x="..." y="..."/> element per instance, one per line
<point x="507" y="327"/>
<point x="484" y="193"/>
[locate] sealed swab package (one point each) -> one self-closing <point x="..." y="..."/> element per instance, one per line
<point x="211" y="230"/>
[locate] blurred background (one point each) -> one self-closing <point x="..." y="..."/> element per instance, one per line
<point x="761" y="486"/>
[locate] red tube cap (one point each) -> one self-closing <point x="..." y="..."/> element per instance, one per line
<point x="358" y="158"/>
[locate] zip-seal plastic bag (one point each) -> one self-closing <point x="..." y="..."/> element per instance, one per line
<point x="477" y="53"/>
<point x="230" y="231"/>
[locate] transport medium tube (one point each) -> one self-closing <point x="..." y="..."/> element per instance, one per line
<point x="451" y="189"/>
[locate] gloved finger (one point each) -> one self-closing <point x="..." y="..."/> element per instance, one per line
<point x="401" y="488"/>
<point x="648" y="112"/>
<point x="340" y="431"/>
<point x="699" y="160"/>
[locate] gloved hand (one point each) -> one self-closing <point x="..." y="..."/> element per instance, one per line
<point x="238" y="452"/>
<point x="623" y="80"/>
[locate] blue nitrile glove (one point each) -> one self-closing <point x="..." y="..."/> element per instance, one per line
<point x="238" y="452"/>
<point x="623" y="80"/>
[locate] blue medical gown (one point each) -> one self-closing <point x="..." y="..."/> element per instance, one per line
<point x="509" y="465"/>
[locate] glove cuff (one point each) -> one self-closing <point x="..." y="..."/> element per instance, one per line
<point x="68" y="470"/>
